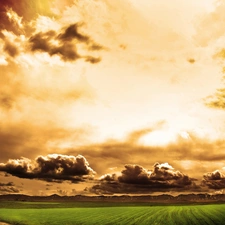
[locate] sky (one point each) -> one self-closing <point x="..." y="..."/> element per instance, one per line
<point x="112" y="97"/>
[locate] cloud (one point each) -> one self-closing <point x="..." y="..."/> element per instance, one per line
<point x="134" y="174"/>
<point x="6" y="100"/>
<point x="135" y="136"/>
<point x="62" y="192"/>
<point x="191" y="60"/>
<point x="128" y="149"/>
<point x="136" y="179"/>
<point x="214" y="180"/>
<point x="26" y="139"/>
<point x="211" y="36"/>
<point x="108" y="177"/>
<point x="17" y="16"/>
<point x="65" y="43"/>
<point x="92" y="59"/>
<point x="14" y="18"/>
<point x="41" y="41"/>
<point x="217" y="100"/>
<point x="20" y="32"/>
<point x="66" y="50"/>
<point x="20" y="93"/>
<point x="131" y="150"/>
<point x="8" y="188"/>
<point x="9" y="19"/>
<point x="161" y="176"/>
<point x="51" y="168"/>
<point x="12" y="85"/>
<point x="6" y="184"/>
<point x="11" y="49"/>
<point x="71" y="32"/>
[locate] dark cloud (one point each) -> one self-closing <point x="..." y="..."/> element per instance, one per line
<point x="71" y="32"/>
<point x="41" y="41"/>
<point x="109" y="177"/>
<point x="6" y="184"/>
<point x="95" y="47"/>
<point x="66" y="47"/>
<point x="214" y="180"/>
<point x="6" y="100"/>
<point x="67" y="52"/>
<point x="162" y="176"/>
<point x="8" y="188"/>
<point x="11" y="49"/>
<point x="191" y="60"/>
<point x="136" y="179"/>
<point x="217" y="100"/>
<point x="134" y="174"/>
<point x="92" y="60"/>
<point x="53" y="167"/>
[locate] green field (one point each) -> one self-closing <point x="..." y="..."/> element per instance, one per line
<point x="107" y="213"/>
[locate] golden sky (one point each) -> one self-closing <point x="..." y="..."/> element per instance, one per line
<point x="111" y="97"/>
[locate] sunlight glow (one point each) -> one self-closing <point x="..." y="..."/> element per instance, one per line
<point x="163" y="137"/>
<point x="186" y="164"/>
<point x="158" y="138"/>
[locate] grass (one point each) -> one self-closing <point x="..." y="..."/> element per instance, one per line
<point x="90" y="213"/>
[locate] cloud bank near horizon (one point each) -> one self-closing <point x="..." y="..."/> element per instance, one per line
<point x="50" y="168"/>
<point x="136" y="179"/>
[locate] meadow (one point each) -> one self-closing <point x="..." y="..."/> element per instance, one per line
<point x="53" y="213"/>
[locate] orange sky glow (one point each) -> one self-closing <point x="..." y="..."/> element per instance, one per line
<point x="112" y="97"/>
